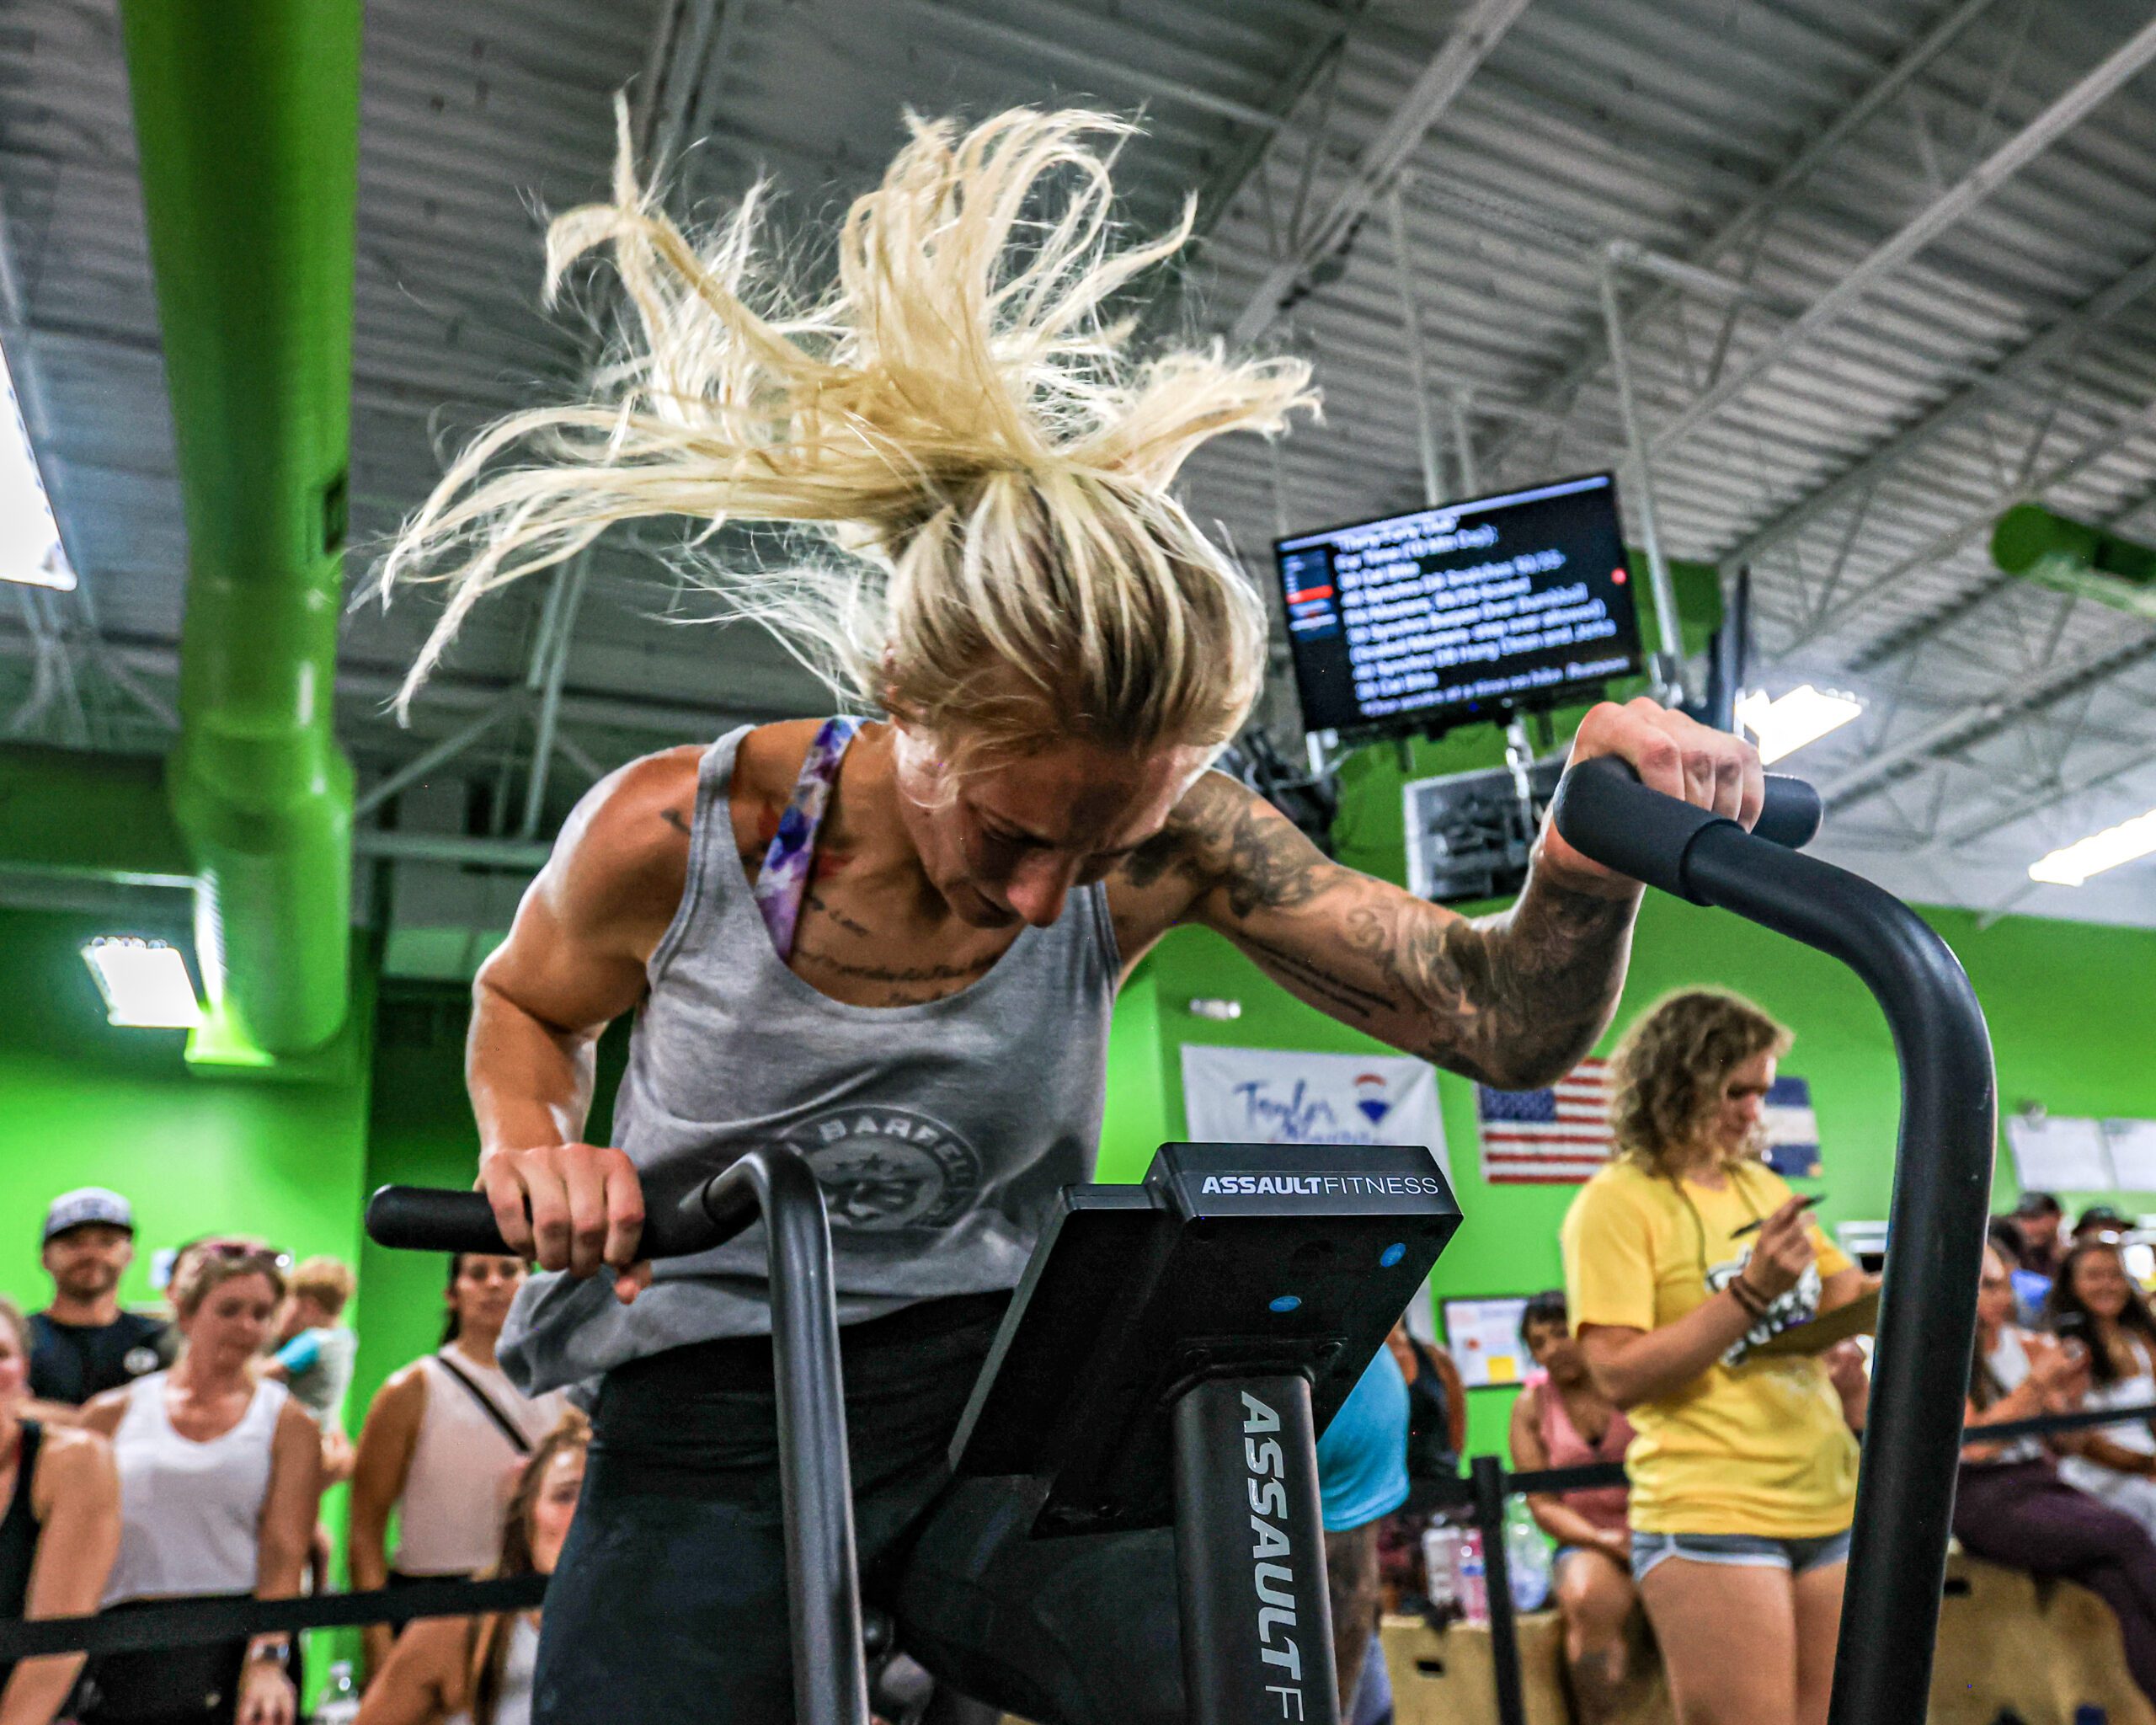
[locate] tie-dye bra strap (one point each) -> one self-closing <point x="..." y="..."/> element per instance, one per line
<point x="782" y="883"/>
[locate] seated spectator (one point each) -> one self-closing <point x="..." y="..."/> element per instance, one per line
<point x="58" y="1532"/>
<point x="2031" y="1288"/>
<point x="1436" y="1405"/>
<point x="1361" y="1470"/>
<point x="478" y="1669"/>
<point x="314" y="1355"/>
<point x="2010" y="1505"/>
<point x="1565" y="1421"/>
<point x="2094" y="1303"/>
<point x="2039" y="1219"/>
<point x="82" y="1343"/>
<point x="219" y="1481"/>
<point x="444" y="1440"/>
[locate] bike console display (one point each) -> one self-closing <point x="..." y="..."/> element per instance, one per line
<point x="1231" y="1261"/>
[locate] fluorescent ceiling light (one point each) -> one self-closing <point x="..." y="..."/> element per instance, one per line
<point x="1804" y="715"/>
<point x="30" y="538"/>
<point x="2075" y="862"/>
<point x="144" y="982"/>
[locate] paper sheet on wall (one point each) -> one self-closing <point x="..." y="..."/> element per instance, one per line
<point x="2133" y="1147"/>
<point x="2059" y="1153"/>
<point x="1483" y="1337"/>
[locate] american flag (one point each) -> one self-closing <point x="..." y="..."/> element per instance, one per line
<point x="1547" y="1137"/>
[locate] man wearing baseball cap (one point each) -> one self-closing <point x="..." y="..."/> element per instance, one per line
<point x="82" y="1343"/>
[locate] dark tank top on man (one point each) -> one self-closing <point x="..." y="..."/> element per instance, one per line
<point x="940" y="1132"/>
<point x="18" y="1532"/>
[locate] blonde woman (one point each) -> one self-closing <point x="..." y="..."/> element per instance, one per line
<point x="894" y="944"/>
<point x="220" y="1477"/>
<point x="1680" y="1257"/>
<point x="478" y="1670"/>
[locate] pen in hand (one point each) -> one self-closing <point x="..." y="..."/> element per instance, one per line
<point x="1759" y="1222"/>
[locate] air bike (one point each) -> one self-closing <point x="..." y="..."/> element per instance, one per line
<point x="1175" y="1346"/>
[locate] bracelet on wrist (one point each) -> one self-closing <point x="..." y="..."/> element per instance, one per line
<point x="1746" y="1295"/>
<point x="270" y="1652"/>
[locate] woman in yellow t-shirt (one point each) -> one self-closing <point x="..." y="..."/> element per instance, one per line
<point x="1681" y="1258"/>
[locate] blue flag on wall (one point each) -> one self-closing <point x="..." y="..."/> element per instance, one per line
<point x="1792" y="1128"/>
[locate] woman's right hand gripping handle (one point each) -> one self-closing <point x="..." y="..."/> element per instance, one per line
<point x="573" y="1207"/>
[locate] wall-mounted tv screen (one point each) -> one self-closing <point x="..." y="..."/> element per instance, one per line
<point x="1469" y="611"/>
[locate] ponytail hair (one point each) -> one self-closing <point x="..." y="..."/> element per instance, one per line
<point x="954" y="422"/>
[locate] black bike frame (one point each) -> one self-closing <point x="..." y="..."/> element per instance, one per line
<point x="831" y="1683"/>
<point x="1250" y="1554"/>
<point x="1942" y="1186"/>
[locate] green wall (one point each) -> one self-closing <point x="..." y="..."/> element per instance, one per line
<point x="83" y="1103"/>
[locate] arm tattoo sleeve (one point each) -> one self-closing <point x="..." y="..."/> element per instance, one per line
<point x="1513" y="1000"/>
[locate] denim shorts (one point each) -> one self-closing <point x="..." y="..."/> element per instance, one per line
<point x="1742" y="1551"/>
<point x="1564" y="1550"/>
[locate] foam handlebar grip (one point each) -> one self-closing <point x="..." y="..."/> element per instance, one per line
<point x="1604" y="812"/>
<point x="1792" y="813"/>
<point x="423" y="1219"/>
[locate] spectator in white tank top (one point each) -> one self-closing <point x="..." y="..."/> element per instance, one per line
<point x="442" y="1445"/>
<point x="219" y="1479"/>
<point x="478" y="1670"/>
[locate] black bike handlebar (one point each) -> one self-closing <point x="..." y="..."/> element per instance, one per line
<point x="425" y="1219"/>
<point x="830" y="1683"/>
<point x="1942" y="1185"/>
<point x="1648" y="836"/>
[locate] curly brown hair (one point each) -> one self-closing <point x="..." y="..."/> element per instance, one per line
<point x="1667" y="1073"/>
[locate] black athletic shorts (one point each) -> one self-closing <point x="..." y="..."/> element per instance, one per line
<point x="671" y="1605"/>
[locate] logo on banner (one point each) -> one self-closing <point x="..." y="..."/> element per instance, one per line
<point x="1287" y="1096"/>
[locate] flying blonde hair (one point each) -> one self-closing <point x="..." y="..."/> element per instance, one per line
<point x="956" y="419"/>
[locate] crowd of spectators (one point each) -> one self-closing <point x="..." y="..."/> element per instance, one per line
<point x="146" y="1456"/>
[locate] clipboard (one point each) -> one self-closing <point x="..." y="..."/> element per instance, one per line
<point x="1860" y="1317"/>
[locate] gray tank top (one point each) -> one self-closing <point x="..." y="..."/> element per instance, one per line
<point x="939" y="1133"/>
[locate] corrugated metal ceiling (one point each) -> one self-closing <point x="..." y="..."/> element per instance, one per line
<point x="1778" y="144"/>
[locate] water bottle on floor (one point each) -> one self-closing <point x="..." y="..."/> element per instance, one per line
<point x="1439" y="1566"/>
<point x="1527" y="1558"/>
<point x="1472" y="1578"/>
<point x="340" y="1701"/>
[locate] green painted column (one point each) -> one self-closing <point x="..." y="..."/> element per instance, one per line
<point x="247" y="117"/>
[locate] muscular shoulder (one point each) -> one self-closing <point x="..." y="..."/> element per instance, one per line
<point x="103" y="1413"/>
<point x="402" y="1394"/>
<point x="71" y="1460"/>
<point x="635" y="822"/>
<point x="1224" y="848"/>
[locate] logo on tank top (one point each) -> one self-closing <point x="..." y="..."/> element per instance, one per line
<point x="886" y="1167"/>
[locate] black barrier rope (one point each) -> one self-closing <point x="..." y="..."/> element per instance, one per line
<point x="187" y="1622"/>
<point x="171" y="1623"/>
<point x="1488" y="1485"/>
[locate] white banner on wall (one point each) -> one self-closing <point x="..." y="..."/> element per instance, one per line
<point x="1275" y="1096"/>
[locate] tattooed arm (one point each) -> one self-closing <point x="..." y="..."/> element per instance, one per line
<point x="1513" y="1000"/>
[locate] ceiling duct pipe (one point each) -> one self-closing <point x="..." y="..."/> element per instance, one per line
<point x="247" y="121"/>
